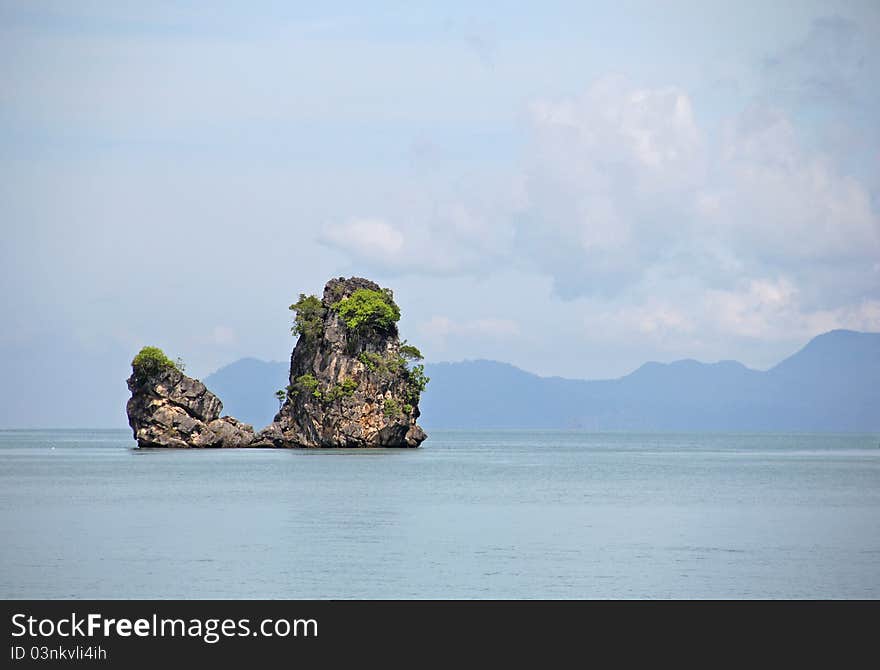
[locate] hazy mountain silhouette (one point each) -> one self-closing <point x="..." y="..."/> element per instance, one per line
<point x="247" y="389"/>
<point x="832" y="384"/>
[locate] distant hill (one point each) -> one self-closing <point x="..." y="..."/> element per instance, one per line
<point x="832" y="384"/>
<point x="247" y="389"/>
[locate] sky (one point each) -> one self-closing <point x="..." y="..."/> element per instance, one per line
<point x="573" y="188"/>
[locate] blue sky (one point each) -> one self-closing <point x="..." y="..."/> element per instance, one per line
<point x="574" y="188"/>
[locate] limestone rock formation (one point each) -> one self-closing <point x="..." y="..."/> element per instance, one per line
<point x="351" y="382"/>
<point x="169" y="409"/>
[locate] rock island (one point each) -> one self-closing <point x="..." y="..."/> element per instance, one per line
<point x="353" y="383"/>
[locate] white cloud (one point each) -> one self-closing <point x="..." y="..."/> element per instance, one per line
<point x="772" y="310"/>
<point x="753" y="311"/>
<point x="436" y="234"/>
<point x="622" y="180"/>
<point x="651" y="134"/>
<point x="747" y="233"/>
<point x="654" y="318"/>
<point x="779" y="201"/>
<point x="624" y="198"/>
<point x="369" y="238"/>
<point x="758" y="321"/>
<point x="607" y="184"/>
<point x="441" y="328"/>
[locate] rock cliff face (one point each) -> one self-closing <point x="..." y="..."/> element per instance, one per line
<point x="169" y="409"/>
<point x="350" y="381"/>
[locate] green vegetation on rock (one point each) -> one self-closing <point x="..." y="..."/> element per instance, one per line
<point x="391" y="366"/>
<point x="367" y="309"/>
<point x="391" y="408"/>
<point x="152" y="360"/>
<point x="343" y="389"/>
<point x="309" y="384"/>
<point x="372" y="361"/>
<point x="309" y="316"/>
<point x="409" y="352"/>
<point x="280" y="396"/>
<point x="416" y="382"/>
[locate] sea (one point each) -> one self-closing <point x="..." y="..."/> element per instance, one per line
<point x="472" y="515"/>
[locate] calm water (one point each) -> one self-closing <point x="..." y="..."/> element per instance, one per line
<point x="469" y="515"/>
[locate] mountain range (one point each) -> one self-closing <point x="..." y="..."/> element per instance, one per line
<point x="832" y="384"/>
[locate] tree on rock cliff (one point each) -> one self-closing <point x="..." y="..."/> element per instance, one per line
<point x="351" y="384"/>
<point x="365" y="309"/>
<point x="308" y="316"/>
<point x="150" y="361"/>
<point x="280" y="396"/>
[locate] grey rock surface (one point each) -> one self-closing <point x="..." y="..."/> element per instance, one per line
<point x="349" y="387"/>
<point x="361" y="395"/>
<point x="169" y="409"/>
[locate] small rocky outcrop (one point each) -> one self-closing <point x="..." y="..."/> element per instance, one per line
<point x="169" y="409"/>
<point x="352" y="382"/>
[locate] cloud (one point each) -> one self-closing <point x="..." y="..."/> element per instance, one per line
<point x="772" y="310"/>
<point x="443" y="236"/>
<point x="657" y="318"/>
<point x="776" y="205"/>
<point x="831" y="65"/>
<point x="606" y="184"/>
<point x="680" y="233"/>
<point x="827" y="80"/>
<point x="623" y="196"/>
<point x="441" y="328"/>
<point x="624" y="180"/>
<point x="755" y="310"/>
<point x="767" y="309"/>
<point x="370" y="239"/>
